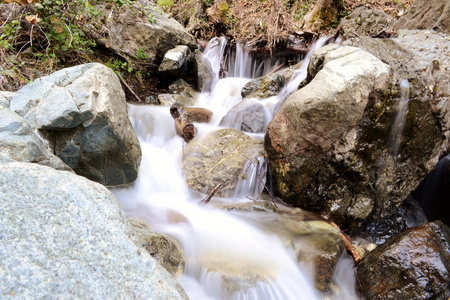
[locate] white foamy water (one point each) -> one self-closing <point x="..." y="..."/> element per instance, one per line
<point x="399" y="123"/>
<point x="227" y="257"/>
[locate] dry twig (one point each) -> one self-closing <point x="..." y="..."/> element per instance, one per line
<point x="128" y="87"/>
<point x="213" y="192"/>
<point x="348" y="246"/>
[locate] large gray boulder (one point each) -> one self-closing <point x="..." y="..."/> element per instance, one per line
<point x="310" y="138"/>
<point x="145" y="28"/>
<point x="414" y="264"/>
<point x="423" y="58"/>
<point x="219" y="157"/>
<point x="63" y="236"/>
<point x="18" y="142"/>
<point x="82" y="113"/>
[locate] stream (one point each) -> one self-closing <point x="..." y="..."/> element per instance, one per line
<point x="228" y="255"/>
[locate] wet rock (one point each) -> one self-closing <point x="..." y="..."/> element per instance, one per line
<point x="205" y="75"/>
<point x="421" y="57"/>
<point x="184" y="117"/>
<point x="219" y="157"/>
<point x="414" y="264"/>
<point x="433" y="193"/>
<point x="182" y="88"/>
<point x="425" y="14"/>
<point x="170" y="99"/>
<point x="248" y="115"/>
<point x="310" y="141"/>
<point x="365" y="22"/>
<point x="175" y="62"/>
<point x="59" y="229"/>
<point x="130" y="31"/>
<point x="163" y="248"/>
<point x="263" y="87"/>
<point x="316" y="243"/>
<point x="82" y="113"/>
<point x="19" y="143"/>
<point x="408" y="215"/>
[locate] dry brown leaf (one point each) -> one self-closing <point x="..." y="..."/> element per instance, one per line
<point x="59" y="28"/>
<point x="1" y="22"/>
<point x="53" y="19"/>
<point x="33" y="19"/>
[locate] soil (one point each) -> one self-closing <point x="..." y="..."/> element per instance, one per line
<point x="244" y="20"/>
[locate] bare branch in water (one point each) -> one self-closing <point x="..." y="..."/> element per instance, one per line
<point x="213" y="192"/>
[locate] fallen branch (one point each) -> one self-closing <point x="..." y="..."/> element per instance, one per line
<point x="348" y="246"/>
<point x="128" y="87"/>
<point x="213" y="192"/>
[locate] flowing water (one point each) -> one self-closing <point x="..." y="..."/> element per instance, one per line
<point x="399" y="123"/>
<point x="227" y="256"/>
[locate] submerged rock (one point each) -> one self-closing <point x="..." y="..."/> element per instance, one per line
<point x="64" y="236"/>
<point x="82" y="113"/>
<point x="219" y="157"/>
<point x="414" y="264"/>
<point x="316" y="243"/>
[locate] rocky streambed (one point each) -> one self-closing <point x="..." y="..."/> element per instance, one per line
<point x="66" y="137"/>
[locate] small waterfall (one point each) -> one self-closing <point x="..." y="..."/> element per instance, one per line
<point x="214" y="51"/>
<point x="238" y="62"/>
<point x="254" y="178"/>
<point x="227" y="257"/>
<point x="273" y="104"/>
<point x="399" y="123"/>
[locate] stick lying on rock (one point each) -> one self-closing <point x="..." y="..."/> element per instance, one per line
<point x="348" y="245"/>
<point x="185" y="116"/>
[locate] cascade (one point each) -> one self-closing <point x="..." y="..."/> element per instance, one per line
<point x="399" y="123"/>
<point x="226" y="255"/>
